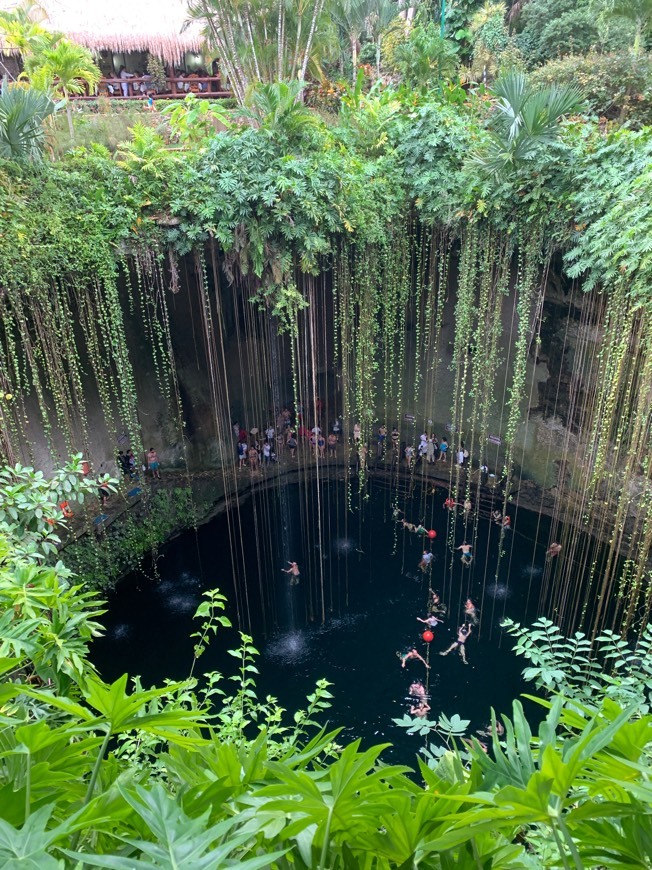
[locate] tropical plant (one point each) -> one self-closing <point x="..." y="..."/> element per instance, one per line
<point x="156" y="70"/>
<point x="22" y="113"/>
<point x="276" y="109"/>
<point x="351" y="18"/>
<point x="380" y="21"/>
<point x="578" y="669"/>
<point x="31" y="505"/>
<point x="21" y="30"/>
<point x="639" y="12"/>
<point x="146" y="153"/>
<point x="64" y="69"/>
<point x="616" y="86"/>
<point x="550" y="29"/>
<point x="260" y="43"/>
<point x="492" y="43"/>
<point x="523" y="120"/>
<point x="193" y="121"/>
<point x="425" y="57"/>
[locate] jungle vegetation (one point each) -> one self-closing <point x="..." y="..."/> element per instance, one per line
<point x="206" y="774"/>
<point x="519" y="136"/>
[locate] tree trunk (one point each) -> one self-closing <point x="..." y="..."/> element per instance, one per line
<point x="378" y="44"/>
<point x="71" y="129"/>
<point x="319" y="5"/>
<point x="354" y="55"/>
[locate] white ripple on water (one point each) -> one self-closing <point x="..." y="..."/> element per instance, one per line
<point x="288" y="648"/>
<point x="121" y="631"/>
<point x="532" y="571"/>
<point x="500" y="591"/>
<point x="182" y="603"/>
<point x="344" y="546"/>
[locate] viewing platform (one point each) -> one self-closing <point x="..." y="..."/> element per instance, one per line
<point x="139" y="87"/>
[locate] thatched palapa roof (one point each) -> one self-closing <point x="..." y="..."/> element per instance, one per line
<point x="123" y="25"/>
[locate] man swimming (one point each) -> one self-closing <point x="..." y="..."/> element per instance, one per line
<point x="411" y="654"/>
<point x="293" y="571"/>
<point x="466" y="557"/>
<point x="462" y="634"/>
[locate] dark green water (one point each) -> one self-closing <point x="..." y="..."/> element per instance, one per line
<point x="366" y="566"/>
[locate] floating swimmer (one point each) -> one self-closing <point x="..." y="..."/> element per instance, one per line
<point x="293" y="571"/>
<point x="466" y="557"/>
<point x="412" y="653"/>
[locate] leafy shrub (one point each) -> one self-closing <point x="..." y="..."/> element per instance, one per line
<point x="555" y="28"/>
<point x="579" y="670"/>
<point x="615" y="85"/>
<point x="100" y="563"/>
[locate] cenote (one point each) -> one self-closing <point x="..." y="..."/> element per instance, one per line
<point x="363" y="567"/>
<point x="338" y="315"/>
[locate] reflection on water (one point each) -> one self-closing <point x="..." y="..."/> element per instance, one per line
<point x="120" y="631"/>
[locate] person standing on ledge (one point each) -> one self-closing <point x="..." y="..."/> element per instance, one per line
<point x="293" y="571"/>
<point x="153" y="463"/>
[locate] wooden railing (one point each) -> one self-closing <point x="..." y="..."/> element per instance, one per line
<point x="139" y="87"/>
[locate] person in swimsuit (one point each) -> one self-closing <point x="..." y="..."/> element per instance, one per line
<point x="417" y="530"/>
<point x="293" y="571"/>
<point x="426" y="559"/>
<point x="470" y="612"/>
<point x="411" y="654"/>
<point x="417" y="690"/>
<point x="153" y="463"/>
<point x="466" y="557"/>
<point x="462" y="634"/>
<point x="436" y="606"/>
<point x="553" y="550"/>
<point x="430" y="621"/>
<point x="421" y="709"/>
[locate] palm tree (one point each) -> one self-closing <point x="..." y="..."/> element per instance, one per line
<point x="22" y="112"/>
<point x="639" y="12"/>
<point x="64" y="69"/>
<point x="351" y="18"/>
<point x="382" y="18"/>
<point x="259" y="41"/>
<point x="524" y="119"/>
<point x="276" y="108"/>
<point x="21" y="30"/>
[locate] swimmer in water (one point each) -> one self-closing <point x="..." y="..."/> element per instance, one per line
<point x="430" y="621"/>
<point x="466" y="557"/>
<point x="462" y="634"/>
<point x="293" y="571"/>
<point x="436" y="606"/>
<point x="553" y="550"/>
<point x="417" y="690"/>
<point x="417" y="530"/>
<point x="489" y="731"/>
<point x="497" y="517"/>
<point x="411" y="654"/>
<point x="420" y="710"/>
<point x="426" y="559"/>
<point x="470" y="612"/>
